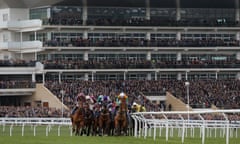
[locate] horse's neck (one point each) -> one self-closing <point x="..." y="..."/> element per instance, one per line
<point x="80" y="111"/>
<point x="105" y="110"/>
<point x="123" y="107"/>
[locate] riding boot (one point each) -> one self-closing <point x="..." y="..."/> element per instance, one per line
<point x="74" y="110"/>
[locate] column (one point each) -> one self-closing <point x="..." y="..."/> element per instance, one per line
<point x="186" y="75"/>
<point x="85" y="56"/>
<point x="93" y="73"/>
<point x="238" y="76"/>
<point x="237" y="36"/>
<point x="178" y="36"/>
<point x="33" y="77"/>
<point x="237" y="10"/>
<point x="21" y="55"/>
<point x="43" y="78"/>
<point x="148" y="56"/>
<point x="59" y="77"/>
<point x="179" y="56"/>
<point x="84" y="14"/>
<point x="48" y="13"/>
<point x="86" y="76"/>
<point x="178" y="9"/>
<point x="179" y="76"/>
<point x="49" y="36"/>
<point x="216" y="75"/>
<point x="148" y="16"/>
<point x="35" y="56"/>
<point x="149" y="76"/>
<point x="85" y="34"/>
<point x="35" y="35"/>
<point x="156" y="73"/>
<point x="148" y="36"/>
<point x="125" y="75"/>
<point x="238" y="56"/>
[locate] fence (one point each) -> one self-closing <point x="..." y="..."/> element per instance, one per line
<point x="34" y="123"/>
<point x="149" y="124"/>
<point x="186" y="123"/>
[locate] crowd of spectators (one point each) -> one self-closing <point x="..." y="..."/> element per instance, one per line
<point x="203" y="93"/>
<point x="111" y="88"/>
<point x="29" y="111"/>
<point x="124" y="63"/>
<point x="158" y="21"/>
<point x="138" y="64"/>
<point x="135" y="42"/>
<point x="12" y="84"/>
<point x="17" y="63"/>
<point x="224" y="94"/>
<point x="73" y="19"/>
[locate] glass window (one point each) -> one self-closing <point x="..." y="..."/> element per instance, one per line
<point x="39" y="13"/>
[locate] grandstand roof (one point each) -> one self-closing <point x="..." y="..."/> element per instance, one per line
<point x="121" y="3"/>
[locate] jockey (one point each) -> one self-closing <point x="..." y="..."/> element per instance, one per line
<point x="106" y="100"/>
<point x="100" y="99"/>
<point x="90" y="102"/>
<point x="79" y="99"/>
<point x="122" y="97"/>
<point x="138" y="108"/>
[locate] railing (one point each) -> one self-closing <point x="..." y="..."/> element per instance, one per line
<point x="21" y="46"/>
<point x="14" y="124"/>
<point x="35" y="121"/>
<point x="165" y="125"/>
<point x="23" y="24"/>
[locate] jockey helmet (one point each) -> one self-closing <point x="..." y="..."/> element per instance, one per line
<point x="122" y="94"/>
<point x="88" y="97"/>
<point x="105" y="98"/>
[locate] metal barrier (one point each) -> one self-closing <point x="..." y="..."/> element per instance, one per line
<point x="35" y="122"/>
<point x="147" y="122"/>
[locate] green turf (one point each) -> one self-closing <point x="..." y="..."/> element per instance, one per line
<point x="66" y="138"/>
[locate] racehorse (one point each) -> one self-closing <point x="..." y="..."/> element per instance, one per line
<point x="120" y="120"/>
<point x="95" y="123"/>
<point x="77" y="120"/>
<point x="88" y="120"/>
<point x="104" y="120"/>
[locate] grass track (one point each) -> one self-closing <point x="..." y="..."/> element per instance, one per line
<point x="65" y="138"/>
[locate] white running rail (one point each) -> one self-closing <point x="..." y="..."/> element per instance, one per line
<point x="34" y="123"/>
<point x="183" y="121"/>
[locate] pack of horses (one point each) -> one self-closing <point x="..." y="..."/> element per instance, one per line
<point x="102" y="122"/>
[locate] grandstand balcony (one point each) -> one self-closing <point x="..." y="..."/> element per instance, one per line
<point x="23" y="47"/>
<point x="23" y="25"/>
<point x="17" y="91"/>
<point x="17" y="87"/>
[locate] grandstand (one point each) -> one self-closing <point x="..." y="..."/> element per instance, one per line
<point x="52" y="50"/>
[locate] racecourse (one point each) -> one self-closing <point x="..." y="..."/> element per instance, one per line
<point x="62" y="135"/>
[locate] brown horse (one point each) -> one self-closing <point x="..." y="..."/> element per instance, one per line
<point x="120" y="120"/>
<point x="77" y="120"/>
<point x="104" y="121"/>
<point x="88" y="120"/>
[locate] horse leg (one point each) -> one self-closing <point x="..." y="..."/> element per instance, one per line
<point x="73" y="124"/>
<point x="88" y="129"/>
<point x="81" y="127"/>
<point x="125" y="127"/>
<point x="100" y="130"/>
<point x="77" y="125"/>
<point x="117" y="128"/>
